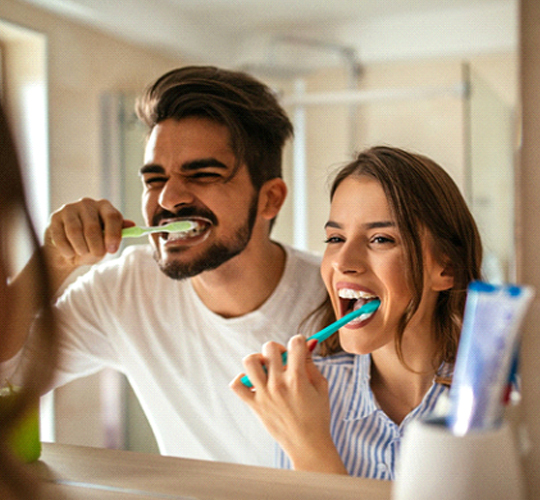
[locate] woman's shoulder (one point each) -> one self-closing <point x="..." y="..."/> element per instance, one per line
<point x="342" y="360"/>
<point x="343" y="369"/>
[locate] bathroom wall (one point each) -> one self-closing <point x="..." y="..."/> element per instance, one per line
<point x="81" y="63"/>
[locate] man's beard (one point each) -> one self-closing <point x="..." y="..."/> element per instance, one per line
<point x="217" y="254"/>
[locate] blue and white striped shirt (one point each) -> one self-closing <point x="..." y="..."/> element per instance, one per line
<point x="365" y="437"/>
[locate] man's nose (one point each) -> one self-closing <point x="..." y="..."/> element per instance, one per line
<point x="175" y="193"/>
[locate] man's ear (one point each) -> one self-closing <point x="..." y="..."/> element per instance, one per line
<point x="271" y="198"/>
<point x="443" y="278"/>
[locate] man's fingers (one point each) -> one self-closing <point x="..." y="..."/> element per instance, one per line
<point x="56" y="237"/>
<point x="86" y="228"/>
<point x="113" y="222"/>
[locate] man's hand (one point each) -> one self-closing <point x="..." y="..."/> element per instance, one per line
<point x="78" y="234"/>
<point x="82" y="233"/>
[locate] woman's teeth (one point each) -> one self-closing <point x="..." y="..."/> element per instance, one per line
<point x="349" y="293"/>
<point x="356" y="298"/>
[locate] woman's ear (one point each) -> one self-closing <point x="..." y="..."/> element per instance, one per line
<point x="271" y="198"/>
<point x="444" y="276"/>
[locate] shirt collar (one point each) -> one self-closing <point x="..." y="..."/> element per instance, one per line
<point x="362" y="400"/>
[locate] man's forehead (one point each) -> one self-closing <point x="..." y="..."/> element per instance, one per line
<point x="191" y="134"/>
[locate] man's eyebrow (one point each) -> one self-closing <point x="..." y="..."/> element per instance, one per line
<point x="151" y="168"/>
<point x="203" y="163"/>
<point x="370" y="225"/>
<point x="189" y="166"/>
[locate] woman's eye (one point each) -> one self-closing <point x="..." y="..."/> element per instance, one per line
<point x="381" y="240"/>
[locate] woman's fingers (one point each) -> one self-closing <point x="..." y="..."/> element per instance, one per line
<point x="245" y="393"/>
<point x="298" y="354"/>
<point x="266" y="370"/>
<point x="273" y="359"/>
<point x="254" y="365"/>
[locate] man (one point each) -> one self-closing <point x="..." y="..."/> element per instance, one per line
<point x="213" y="156"/>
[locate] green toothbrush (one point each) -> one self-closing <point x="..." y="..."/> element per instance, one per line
<point x="173" y="227"/>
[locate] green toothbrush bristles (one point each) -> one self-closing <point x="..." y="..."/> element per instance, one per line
<point x="173" y="227"/>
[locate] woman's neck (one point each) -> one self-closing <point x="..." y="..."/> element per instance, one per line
<point x="399" y="388"/>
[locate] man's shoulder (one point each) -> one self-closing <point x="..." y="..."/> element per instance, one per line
<point x="137" y="253"/>
<point x="303" y="257"/>
<point x="303" y="273"/>
<point x="133" y="260"/>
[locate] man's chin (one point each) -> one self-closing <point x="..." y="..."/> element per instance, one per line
<point x="175" y="271"/>
<point x="180" y="270"/>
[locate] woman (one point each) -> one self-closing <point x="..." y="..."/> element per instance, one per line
<point x="16" y="234"/>
<point x="400" y="231"/>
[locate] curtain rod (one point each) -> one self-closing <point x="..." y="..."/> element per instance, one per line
<point x="365" y="96"/>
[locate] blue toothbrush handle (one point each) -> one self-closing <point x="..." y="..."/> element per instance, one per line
<point x="367" y="308"/>
<point x="245" y="379"/>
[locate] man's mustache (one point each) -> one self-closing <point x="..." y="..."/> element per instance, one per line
<point x="185" y="213"/>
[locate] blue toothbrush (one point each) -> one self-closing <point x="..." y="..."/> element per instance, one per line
<point x="367" y="308"/>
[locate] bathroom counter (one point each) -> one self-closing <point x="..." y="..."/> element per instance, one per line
<point x="78" y="472"/>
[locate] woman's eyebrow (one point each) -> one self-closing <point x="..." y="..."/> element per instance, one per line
<point x="368" y="225"/>
<point x="333" y="225"/>
<point x="380" y="224"/>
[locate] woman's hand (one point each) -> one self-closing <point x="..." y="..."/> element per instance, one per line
<point x="292" y="403"/>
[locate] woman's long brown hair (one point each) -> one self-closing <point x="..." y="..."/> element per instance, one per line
<point x="15" y="479"/>
<point x="422" y="196"/>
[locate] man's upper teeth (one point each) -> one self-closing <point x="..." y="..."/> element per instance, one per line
<point x="194" y="231"/>
<point x="348" y="293"/>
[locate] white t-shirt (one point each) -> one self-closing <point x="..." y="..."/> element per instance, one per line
<point x="177" y="354"/>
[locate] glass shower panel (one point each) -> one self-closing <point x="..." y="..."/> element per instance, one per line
<point x="491" y="189"/>
<point x="123" y="153"/>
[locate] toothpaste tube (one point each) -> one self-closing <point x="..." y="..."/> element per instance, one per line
<point x="489" y="338"/>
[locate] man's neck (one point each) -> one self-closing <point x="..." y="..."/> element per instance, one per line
<point x="244" y="283"/>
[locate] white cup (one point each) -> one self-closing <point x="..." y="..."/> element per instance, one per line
<point x="436" y="464"/>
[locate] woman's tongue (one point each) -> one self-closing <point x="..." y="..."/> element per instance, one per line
<point x="358" y="304"/>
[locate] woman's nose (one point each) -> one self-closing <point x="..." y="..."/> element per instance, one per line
<point x="175" y="194"/>
<point x="349" y="260"/>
